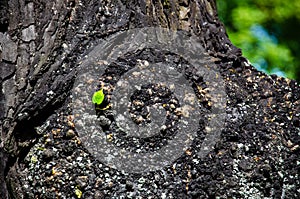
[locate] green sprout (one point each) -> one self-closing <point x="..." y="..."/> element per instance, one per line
<point x="78" y="192"/>
<point x="98" y="97"/>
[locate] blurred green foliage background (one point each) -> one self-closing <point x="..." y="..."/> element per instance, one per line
<point x="268" y="32"/>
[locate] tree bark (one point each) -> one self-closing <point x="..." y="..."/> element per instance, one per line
<point x="42" y="43"/>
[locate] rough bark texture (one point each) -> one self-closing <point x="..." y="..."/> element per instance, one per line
<point x="43" y="41"/>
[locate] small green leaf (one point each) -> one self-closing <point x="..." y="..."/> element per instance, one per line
<point x="33" y="159"/>
<point x="78" y="192"/>
<point x="98" y="97"/>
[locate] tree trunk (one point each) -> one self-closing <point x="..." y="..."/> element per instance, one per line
<point x="42" y="155"/>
